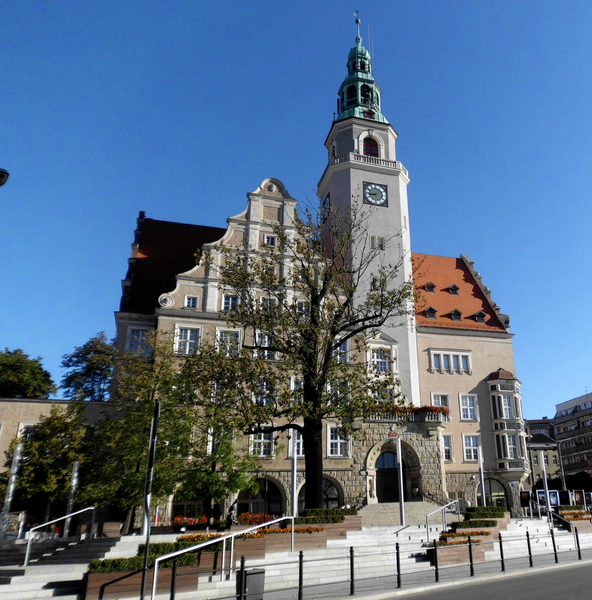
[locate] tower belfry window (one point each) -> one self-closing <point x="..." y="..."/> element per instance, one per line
<point x="366" y="94"/>
<point x="352" y="95"/>
<point x="370" y="147"/>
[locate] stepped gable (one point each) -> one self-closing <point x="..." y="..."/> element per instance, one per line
<point x="161" y="249"/>
<point x="447" y="284"/>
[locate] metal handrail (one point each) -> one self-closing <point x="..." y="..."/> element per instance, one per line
<point x="54" y="521"/>
<point x="223" y="539"/>
<point x="443" y="509"/>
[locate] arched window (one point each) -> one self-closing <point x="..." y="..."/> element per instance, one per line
<point x="362" y="66"/>
<point x="352" y="95"/>
<point x="370" y="147"/>
<point x="366" y="94"/>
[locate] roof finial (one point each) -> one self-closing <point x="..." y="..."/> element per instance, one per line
<point x="358" y="38"/>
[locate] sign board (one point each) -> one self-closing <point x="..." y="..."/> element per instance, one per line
<point x="372" y="473"/>
<point x="393" y="434"/>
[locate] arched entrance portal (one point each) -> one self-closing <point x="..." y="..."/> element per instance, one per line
<point x="495" y="493"/>
<point x="382" y="474"/>
<point x="387" y="478"/>
<point x="267" y="500"/>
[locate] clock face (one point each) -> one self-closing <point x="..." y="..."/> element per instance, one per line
<point x="376" y="194"/>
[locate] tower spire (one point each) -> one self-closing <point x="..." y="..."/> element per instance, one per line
<point x="359" y="94"/>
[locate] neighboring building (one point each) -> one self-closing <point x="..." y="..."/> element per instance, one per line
<point x="540" y="443"/>
<point x="17" y="415"/>
<point x="573" y="432"/>
<point x="455" y="352"/>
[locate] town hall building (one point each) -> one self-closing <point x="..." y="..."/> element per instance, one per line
<point x="454" y="350"/>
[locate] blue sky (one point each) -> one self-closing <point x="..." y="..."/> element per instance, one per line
<point x="181" y="108"/>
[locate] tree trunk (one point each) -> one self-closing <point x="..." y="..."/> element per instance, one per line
<point x="312" y="437"/>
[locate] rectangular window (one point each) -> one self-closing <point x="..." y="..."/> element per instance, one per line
<point x="228" y="342"/>
<point x="25" y="430"/>
<point x="458" y="362"/>
<point x="535" y="460"/>
<point x="340" y="353"/>
<point x="190" y="301"/>
<point x="229" y="302"/>
<point x="297" y="390"/>
<point x="271" y="241"/>
<point x="264" y="396"/>
<point x="187" y="340"/>
<point x="441" y="400"/>
<point x="303" y="309"/>
<point x="138" y="342"/>
<point x="263" y="341"/>
<point x="513" y="449"/>
<point x="471" y="445"/>
<point x="299" y="444"/>
<point x="376" y="242"/>
<point x="447" y="442"/>
<point x="262" y="444"/>
<point x="507" y="407"/>
<point x="468" y="408"/>
<point x="381" y="360"/>
<point x="555" y="460"/>
<point x="338" y="445"/>
<point x="546" y="457"/>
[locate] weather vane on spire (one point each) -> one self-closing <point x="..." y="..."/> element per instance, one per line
<point x="358" y="38"/>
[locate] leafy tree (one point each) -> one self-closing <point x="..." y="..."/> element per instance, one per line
<point x="320" y="287"/>
<point x="50" y="449"/>
<point x="194" y="447"/>
<point x="91" y="370"/>
<point x="23" y="377"/>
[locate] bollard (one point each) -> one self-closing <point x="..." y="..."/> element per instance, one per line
<point x="471" y="557"/>
<point x="529" y="548"/>
<point x="300" y="575"/>
<point x="578" y="544"/>
<point x="174" y="580"/>
<point x="436" y="560"/>
<point x="502" y="553"/>
<point x="352" y="585"/>
<point x="554" y="546"/>
<point x="243" y="578"/>
<point x="398" y="565"/>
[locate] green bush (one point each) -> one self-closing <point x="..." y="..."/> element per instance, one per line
<point x="486" y="511"/>
<point x="161" y="548"/>
<point x="319" y="519"/>
<point x="136" y="563"/>
<point x="315" y="512"/>
<point x="473" y="524"/>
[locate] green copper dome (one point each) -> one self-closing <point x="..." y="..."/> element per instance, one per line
<point x="359" y="94"/>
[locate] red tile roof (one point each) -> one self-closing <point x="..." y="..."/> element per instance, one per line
<point x="444" y="272"/>
<point x="162" y="250"/>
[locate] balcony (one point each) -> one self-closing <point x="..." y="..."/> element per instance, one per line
<point x="414" y="417"/>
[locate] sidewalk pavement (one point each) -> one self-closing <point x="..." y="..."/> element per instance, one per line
<point x="385" y="588"/>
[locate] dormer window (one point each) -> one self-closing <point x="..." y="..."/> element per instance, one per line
<point x="370" y="147"/>
<point x="429" y="287"/>
<point x="430" y="313"/>
<point x="456" y="315"/>
<point x="453" y="289"/>
<point x="480" y="316"/>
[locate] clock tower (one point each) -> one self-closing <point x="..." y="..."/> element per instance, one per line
<point x="363" y="174"/>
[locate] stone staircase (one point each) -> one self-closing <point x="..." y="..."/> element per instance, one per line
<point x="57" y="569"/>
<point x="387" y="514"/>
